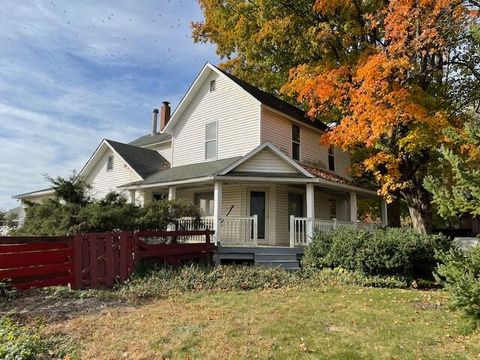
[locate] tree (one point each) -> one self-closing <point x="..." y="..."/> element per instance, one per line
<point x="391" y="74"/>
<point x="457" y="190"/>
<point x="71" y="190"/>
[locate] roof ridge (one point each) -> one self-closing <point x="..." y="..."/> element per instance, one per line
<point x="275" y="101"/>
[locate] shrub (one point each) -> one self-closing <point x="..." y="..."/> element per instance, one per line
<point x="376" y="252"/>
<point x="459" y="272"/>
<point x="19" y="343"/>
<point x="161" y="281"/>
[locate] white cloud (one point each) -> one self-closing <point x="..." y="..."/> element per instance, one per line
<point x="73" y="73"/>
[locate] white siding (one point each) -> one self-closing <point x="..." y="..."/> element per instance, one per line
<point x="265" y="161"/>
<point x="277" y="129"/>
<point x="103" y="181"/>
<point x="238" y="117"/>
<point x="164" y="149"/>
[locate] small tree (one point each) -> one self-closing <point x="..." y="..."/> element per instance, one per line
<point x="457" y="190"/>
<point x="72" y="190"/>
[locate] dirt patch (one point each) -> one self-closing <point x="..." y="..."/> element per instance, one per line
<point x="33" y="305"/>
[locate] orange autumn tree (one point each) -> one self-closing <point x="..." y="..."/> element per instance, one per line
<point x="391" y="74"/>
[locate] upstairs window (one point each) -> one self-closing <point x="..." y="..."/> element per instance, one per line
<point x="204" y="201"/>
<point x="213" y="85"/>
<point x="211" y="141"/>
<point x="331" y="158"/>
<point x="295" y="142"/>
<point x="110" y="163"/>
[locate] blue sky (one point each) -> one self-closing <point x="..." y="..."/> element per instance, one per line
<point x="75" y="72"/>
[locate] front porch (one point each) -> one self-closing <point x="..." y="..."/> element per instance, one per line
<point x="267" y="213"/>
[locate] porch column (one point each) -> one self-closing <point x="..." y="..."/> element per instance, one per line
<point x="310" y="210"/>
<point x="353" y="207"/>
<point x="217" y="210"/>
<point x="132" y="196"/>
<point x="384" y="212"/>
<point x="172" y="193"/>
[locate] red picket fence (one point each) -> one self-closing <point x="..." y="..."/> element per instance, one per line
<point x="36" y="261"/>
<point x="91" y="260"/>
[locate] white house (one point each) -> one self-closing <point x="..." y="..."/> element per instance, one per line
<point x="252" y="163"/>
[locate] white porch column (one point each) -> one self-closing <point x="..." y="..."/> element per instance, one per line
<point x="384" y="212"/>
<point x="353" y="207"/>
<point x="132" y="196"/>
<point x="310" y="211"/>
<point x="172" y="193"/>
<point x="217" y="210"/>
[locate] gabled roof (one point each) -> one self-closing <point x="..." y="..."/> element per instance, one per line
<point x="150" y="139"/>
<point x="262" y="97"/>
<point x="145" y="162"/>
<point x="276" y="103"/>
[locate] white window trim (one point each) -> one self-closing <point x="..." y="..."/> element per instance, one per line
<point x="210" y="140"/>
<point x="297" y="142"/>
<point x="108" y="161"/>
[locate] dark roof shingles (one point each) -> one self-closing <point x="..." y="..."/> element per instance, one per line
<point x="150" y="139"/>
<point x="144" y="161"/>
<point x="276" y="103"/>
<point x="186" y="172"/>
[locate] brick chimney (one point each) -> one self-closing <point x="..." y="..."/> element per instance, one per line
<point x="154" y="121"/>
<point x="164" y="115"/>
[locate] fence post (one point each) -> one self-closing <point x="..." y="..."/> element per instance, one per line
<point x="255" y="230"/>
<point x="334" y="223"/>
<point x="78" y="263"/>
<point x="292" y="231"/>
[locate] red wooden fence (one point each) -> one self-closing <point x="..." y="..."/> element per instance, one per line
<point x="36" y="261"/>
<point x="91" y="260"/>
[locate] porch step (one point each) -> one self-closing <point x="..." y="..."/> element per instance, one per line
<point x="285" y="257"/>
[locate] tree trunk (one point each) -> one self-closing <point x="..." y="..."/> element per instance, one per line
<point x="420" y="209"/>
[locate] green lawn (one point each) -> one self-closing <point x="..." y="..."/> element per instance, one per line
<point x="289" y="323"/>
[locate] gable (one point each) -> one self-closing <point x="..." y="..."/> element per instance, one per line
<point x="235" y="112"/>
<point x="266" y="161"/>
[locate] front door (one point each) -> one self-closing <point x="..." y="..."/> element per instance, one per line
<point x="258" y="207"/>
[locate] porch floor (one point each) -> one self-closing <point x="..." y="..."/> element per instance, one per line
<point x="275" y="256"/>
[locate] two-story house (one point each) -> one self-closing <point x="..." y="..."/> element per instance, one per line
<point x="252" y="163"/>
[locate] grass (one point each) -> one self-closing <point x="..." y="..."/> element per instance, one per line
<point x="323" y="322"/>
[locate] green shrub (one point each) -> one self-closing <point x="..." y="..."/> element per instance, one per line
<point x="376" y="252"/>
<point x="459" y="272"/>
<point x="162" y="281"/>
<point x="19" y="343"/>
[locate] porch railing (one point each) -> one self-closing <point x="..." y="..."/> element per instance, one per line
<point x="298" y="228"/>
<point x="234" y="230"/>
<point x="239" y="230"/>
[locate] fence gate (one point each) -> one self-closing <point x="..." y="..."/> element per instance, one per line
<point x="102" y="258"/>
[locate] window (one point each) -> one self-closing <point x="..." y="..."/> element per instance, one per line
<point x="332" y="208"/>
<point x="295" y="204"/>
<point x="110" y="163"/>
<point x="211" y="140"/>
<point x="160" y="196"/>
<point x="213" y="85"/>
<point x="331" y="158"/>
<point x="295" y="142"/>
<point x="204" y="201"/>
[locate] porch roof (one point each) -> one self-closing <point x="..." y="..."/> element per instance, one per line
<point x="187" y="172"/>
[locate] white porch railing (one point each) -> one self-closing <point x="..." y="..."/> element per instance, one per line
<point x="299" y="225"/>
<point x="234" y="230"/>
<point x="239" y="230"/>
